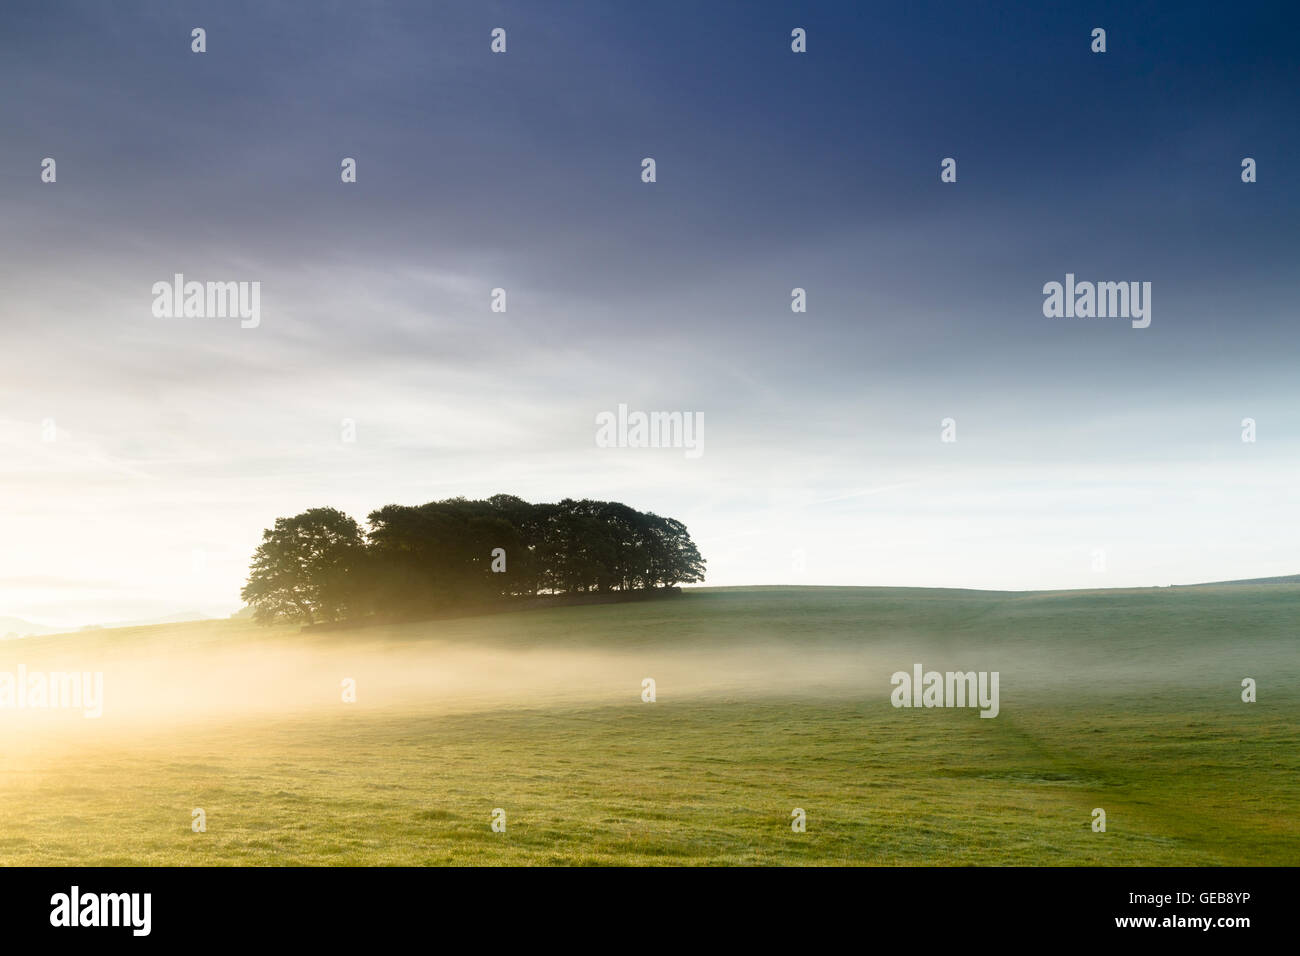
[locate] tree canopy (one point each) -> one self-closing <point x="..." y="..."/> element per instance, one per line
<point x="306" y="568"/>
<point x="320" y="565"/>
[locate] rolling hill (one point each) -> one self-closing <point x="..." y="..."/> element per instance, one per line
<point x="767" y="700"/>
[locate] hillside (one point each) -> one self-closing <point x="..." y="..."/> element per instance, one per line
<point x="767" y="699"/>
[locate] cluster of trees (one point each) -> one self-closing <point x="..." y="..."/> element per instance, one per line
<point x="322" y="566"/>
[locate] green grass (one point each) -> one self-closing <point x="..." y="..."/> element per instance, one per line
<point x="768" y="699"/>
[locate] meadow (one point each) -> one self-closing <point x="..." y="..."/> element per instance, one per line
<point x="767" y="700"/>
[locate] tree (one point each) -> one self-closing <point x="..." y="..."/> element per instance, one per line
<point x="674" y="557"/>
<point x="439" y="556"/>
<point x="309" y="568"/>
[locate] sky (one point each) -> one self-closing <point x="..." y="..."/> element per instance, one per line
<point x="142" y="456"/>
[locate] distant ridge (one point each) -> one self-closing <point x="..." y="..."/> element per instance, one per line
<point x="14" y="627"/>
<point x="1281" y="579"/>
<point x="11" y="627"/>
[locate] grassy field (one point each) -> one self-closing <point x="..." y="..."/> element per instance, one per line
<point x="768" y="699"/>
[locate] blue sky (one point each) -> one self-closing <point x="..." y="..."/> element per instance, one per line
<point x="178" y="440"/>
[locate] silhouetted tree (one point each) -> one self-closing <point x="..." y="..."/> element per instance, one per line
<point x="415" y="559"/>
<point x="307" y="568"/>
